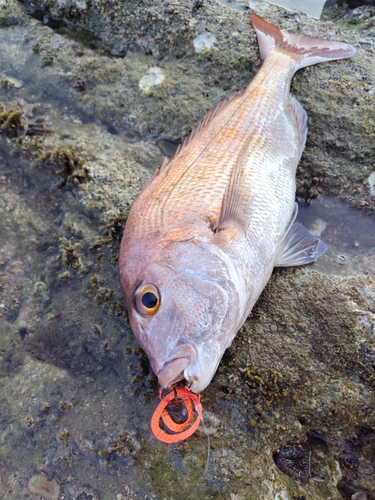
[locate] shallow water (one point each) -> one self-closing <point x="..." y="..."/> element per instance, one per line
<point x="348" y="233"/>
<point x="312" y="8"/>
<point x="36" y="429"/>
<point x="87" y="425"/>
<point x="39" y="224"/>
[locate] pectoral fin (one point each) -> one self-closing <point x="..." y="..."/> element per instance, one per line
<point x="235" y="213"/>
<point x="298" y="246"/>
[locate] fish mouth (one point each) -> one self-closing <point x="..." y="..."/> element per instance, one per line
<point x="173" y="369"/>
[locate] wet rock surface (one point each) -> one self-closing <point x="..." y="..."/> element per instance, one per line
<point x="290" y="413"/>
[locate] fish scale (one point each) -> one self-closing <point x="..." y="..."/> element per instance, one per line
<point x="204" y="170"/>
<point x="206" y="231"/>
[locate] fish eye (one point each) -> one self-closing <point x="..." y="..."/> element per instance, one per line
<point x="147" y="299"/>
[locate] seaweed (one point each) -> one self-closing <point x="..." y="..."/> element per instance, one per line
<point x="65" y="163"/>
<point x="12" y="122"/>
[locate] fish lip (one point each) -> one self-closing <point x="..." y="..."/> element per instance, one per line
<point x="173" y="369"/>
<point x="172" y="372"/>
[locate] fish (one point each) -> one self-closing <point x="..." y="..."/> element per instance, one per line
<point x="206" y="231"/>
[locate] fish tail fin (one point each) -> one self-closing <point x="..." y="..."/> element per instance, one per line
<point x="305" y="50"/>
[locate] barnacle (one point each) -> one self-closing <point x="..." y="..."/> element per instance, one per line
<point x="295" y="461"/>
<point x="79" y="84"/>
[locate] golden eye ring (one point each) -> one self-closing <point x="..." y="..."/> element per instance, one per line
<point x="147" y="299"/>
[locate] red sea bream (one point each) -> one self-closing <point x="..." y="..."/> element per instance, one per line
<point x="207" y="229"/>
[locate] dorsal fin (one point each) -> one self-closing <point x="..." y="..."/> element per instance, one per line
<point x="206" y="120"/>
<point x="155" y="174"/>
<point x="165" y="161"/>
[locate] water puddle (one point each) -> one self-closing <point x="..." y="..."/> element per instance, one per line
<point x="312" y="8"/>
<point x="59" y="287"/>
<point x="348" y="233"/>
<point x="62" y="414"/>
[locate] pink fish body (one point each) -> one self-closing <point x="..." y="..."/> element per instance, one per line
<point x="206" y="231"/>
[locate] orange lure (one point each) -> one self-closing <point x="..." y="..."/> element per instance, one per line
<point x="178" y="432"/>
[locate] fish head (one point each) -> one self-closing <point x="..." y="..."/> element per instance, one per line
<point x="181" y="304"/>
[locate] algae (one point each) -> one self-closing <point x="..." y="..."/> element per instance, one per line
<point x="70" y="167"/>
<point x="12" y="122"/>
